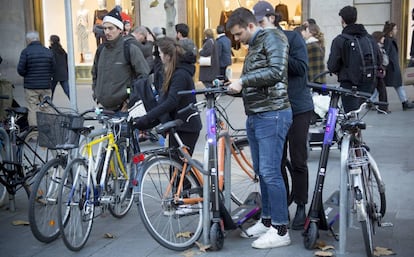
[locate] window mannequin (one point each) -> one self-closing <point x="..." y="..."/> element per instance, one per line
<point x="82" y="25"/>
<point x="97" y="21"/>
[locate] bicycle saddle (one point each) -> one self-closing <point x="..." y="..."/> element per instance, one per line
<point x="348" y="125"/>
<point x="165" y="127"/>
<point x="17" y="110"/>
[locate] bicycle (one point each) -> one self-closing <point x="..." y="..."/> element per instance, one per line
<point x="96" y="180"/>
<point x="22" y="156"/>
<point x="60" y="132"/>
<point x="174" y="189"/>
<point x="360" y="175"/>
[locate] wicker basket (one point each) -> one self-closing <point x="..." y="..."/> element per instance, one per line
<point x="56" y="131"/>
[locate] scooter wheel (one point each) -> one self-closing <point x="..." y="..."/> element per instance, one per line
<point x="310" y="236"/>
<point x="216" y="237"/>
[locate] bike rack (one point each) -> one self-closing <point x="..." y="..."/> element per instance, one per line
<point x="343" y="196"/>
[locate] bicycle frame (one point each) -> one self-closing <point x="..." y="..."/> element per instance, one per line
<point x="93" y="165"/>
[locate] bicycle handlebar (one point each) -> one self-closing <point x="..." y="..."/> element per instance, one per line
<point x="209" y="90"/>
<point x="338" y="90"/>
<point x="4" y="97"/>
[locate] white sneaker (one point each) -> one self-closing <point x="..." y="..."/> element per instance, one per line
<point x="271" y="240"/>
<point x="254" y="231"/>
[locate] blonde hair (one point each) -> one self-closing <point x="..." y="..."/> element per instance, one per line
<point x="209" y="33"/>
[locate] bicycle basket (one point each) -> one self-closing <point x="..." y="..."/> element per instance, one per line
<point x="56" y="130"/>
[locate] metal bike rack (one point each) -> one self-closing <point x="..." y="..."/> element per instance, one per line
<point x="343" y="196"/>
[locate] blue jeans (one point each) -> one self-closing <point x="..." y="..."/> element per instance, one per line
<point x="266" y="133"/>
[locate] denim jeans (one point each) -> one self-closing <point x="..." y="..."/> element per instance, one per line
<point x="266" y="133"/>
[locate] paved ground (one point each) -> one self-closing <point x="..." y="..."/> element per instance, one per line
<point x="391" y="138"/>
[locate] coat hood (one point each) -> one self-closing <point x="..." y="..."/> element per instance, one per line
<point x="186" y="62"/>
<point x="355" y="29"/>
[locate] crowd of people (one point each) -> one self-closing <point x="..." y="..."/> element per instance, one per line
<point x="277" y="102"/>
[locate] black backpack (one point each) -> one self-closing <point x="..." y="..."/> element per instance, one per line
<point x="359" y="59"/>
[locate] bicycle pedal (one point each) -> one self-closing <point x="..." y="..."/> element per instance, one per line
<point x="386" y="224"/>
<point x="106" y="199"/>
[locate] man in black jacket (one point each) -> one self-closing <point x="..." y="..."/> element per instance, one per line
<point x="336" y="62"/>
<point x="263" y="85"/>
<point x="37" y="66"/>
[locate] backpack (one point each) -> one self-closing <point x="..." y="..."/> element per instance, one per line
<point x="359" y="59"/>
<point x="141" y="87"/>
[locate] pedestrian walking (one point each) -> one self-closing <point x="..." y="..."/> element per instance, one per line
<point x="223" y="50"/>
<point x="37" y="66"/>
<point x="61" y="68"/>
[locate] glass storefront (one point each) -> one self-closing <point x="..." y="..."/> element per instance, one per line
<point x="198" y="14"/>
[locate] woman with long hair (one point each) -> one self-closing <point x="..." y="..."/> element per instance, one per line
<point x="393" y="73"/>
<point x="61" y="66"/>
<point x="178" y="75"/>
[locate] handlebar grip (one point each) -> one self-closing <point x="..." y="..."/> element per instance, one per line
<point x="185" y="109"/>
<point x="4" y="97"/>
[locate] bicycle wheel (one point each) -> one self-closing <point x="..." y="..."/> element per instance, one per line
<point x="43" y="206"/>
<point x="76" y="203"/>
<point x="374" y="207"/>
<point x="119" y="186"/>
<point x="174" y="225"/>
<point x="3" y="190"/>
<point x="244" y="181"/>
<point x="33" y="156"/>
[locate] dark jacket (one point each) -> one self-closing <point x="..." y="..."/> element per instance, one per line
<point x="224" y="50"/>
<point x="170" y="102"/>
<point x="112" y="74"/>
<point x="265" y="73"/>
<point x="336" y="57"/>
<point x="393" y="73"/>
<point x="37" y="66"/>
<point x="209" y="73"/>
<point x="299" y="94"/>
<point x="61" y="67"/>
<point x="146" y="49"/>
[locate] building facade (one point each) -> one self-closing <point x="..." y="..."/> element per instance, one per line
<point x="52" y="16"/>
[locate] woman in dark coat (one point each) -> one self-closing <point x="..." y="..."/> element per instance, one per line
<point x="178" y="75"/>
<point x="209" y="73"/>
<point x="393" y="73"/>
<point x="61" y="68"/>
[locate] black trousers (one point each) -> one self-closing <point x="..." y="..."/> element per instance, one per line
<point x="297" y="143"/>
<point x="189" y="139"/>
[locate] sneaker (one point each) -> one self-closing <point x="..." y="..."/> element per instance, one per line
<point x="254" y="231"/>
<point x="271" y="240"/>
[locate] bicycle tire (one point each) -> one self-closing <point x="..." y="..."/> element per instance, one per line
<point x="244" y="182"/>
<point x="117" y="185"/>
<point x="373" y="196"/>
<point x="76" y="202"/>
<point x="174" y="226"/>
<point x="3" y="190"/>
<point x="32" y="156"/>
<point x="43" y="206"/>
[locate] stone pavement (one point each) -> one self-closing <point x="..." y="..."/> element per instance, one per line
<point x="390" y="137"/>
